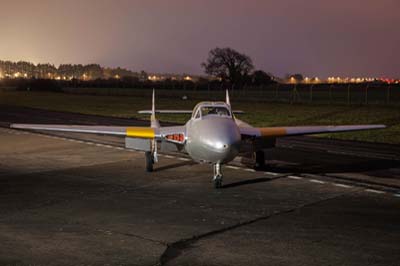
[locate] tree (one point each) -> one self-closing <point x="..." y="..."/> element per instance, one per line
<point x="228" y="64"/>
<point x="259" y="77"/>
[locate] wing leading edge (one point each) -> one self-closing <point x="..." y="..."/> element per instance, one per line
<point x="302" y="130"/>
<point x="132" y="132"/>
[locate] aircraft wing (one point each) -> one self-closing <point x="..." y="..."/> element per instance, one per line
<point x="265" y="132"/>
<point x="149" y="112"/>
<point x="174" y="133"/>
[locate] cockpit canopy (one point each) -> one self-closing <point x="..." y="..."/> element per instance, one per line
<point x="204" y="109"/>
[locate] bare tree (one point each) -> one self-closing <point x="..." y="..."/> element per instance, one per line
<point x="228" y="64"/>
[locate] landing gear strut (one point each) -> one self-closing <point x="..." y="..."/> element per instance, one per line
<point x="217" y="175"/>
<point x="260" y="160"/>
<point x="151" y="156"/>
<point x="149" y="161"/>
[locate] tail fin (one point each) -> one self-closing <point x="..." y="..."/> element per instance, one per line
<point x="153" y="106"/>
<point x="228" y="102"/>
<point x="154" y="122"/>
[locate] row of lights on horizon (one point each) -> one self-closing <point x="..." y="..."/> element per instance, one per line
<point x="316" y="80"/>
<point x="158" y="78"/>
<point x="292" y="80"/>
<point x="83" y="77"/>
<point x="49" y="75"/>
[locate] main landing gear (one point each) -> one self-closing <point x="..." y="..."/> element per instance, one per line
<point x="217" y="175"/>
<point x="151" y="156"/>
<point x="260" y="160"/>
<point x="149" y="161"/>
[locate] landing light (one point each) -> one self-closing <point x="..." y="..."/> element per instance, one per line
<point x="219" y="145"/>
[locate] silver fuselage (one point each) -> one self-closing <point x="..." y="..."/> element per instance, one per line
<point x="212" y="139"/>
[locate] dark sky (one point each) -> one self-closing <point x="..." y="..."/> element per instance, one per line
<point x="314" y="37"/>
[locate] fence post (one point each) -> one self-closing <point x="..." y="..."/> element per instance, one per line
<point x="348" y="95"/>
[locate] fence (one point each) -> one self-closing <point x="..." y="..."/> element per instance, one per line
<point x="286" y="93"/>
<point x="324" y="93"/>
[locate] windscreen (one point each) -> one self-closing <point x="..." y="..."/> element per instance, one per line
<point x="215" y="110"/>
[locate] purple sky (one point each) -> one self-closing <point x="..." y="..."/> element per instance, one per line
<point x="314" y="37"/>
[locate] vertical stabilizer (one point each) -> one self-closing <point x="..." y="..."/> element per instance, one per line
<point x="228" y="102"/>
<point x="154" y="122"/>
<point x="153" y="107"/>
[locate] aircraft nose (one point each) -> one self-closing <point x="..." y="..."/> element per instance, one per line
<point x="223" y="138"/>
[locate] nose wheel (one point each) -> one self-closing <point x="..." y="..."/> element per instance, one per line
<point x="217" y="175"/>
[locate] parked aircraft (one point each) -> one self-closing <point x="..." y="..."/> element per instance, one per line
<point x="213" y="135"/>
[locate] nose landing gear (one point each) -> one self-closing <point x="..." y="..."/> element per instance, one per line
<point x="217" y="179"/>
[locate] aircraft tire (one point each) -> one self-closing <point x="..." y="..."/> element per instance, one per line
<point x="260" y="159"/>
<point x="149" y="161"/>
<point x="218" y="183"/>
